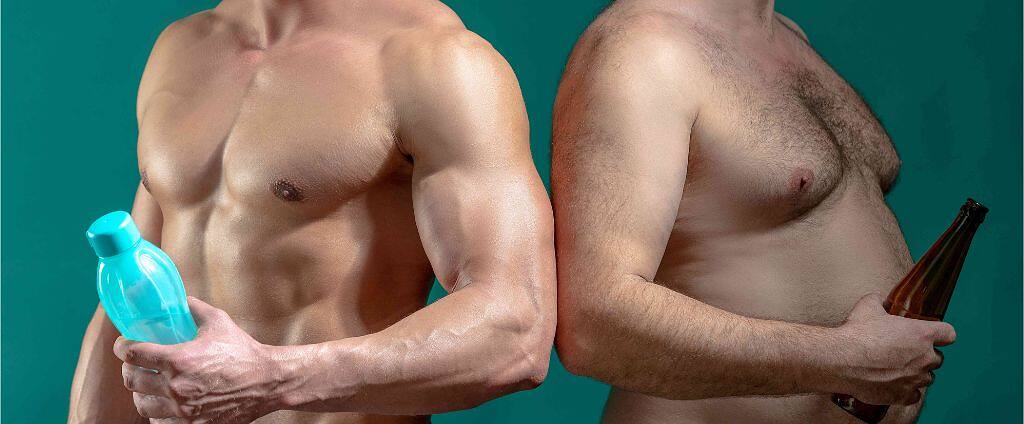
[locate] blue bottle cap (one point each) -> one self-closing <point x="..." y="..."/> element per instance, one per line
<point x="113" y="233"/>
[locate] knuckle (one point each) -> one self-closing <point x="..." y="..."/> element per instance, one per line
<point x="180" y="362"/>
<point x="185" y="388"/>
<point x="220" y="315"/>
<point x="188" y="411"/>
<point x="129" y="381"/>
<point x="180" y="412"/>
<point x="141" y="406"/>
<point x="179" y="388"/>
<point x="910" y="394"/>
<point x="131" y="354"/>
<point x="923" y="332"/>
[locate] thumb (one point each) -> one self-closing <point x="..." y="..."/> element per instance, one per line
<point x="943" y="334"/>
<point x="203" y="313"/>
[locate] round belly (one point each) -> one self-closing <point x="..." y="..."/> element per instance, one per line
<point x="811" y="270"/>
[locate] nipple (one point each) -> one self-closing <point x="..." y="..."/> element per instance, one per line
<point x="252" y="57"/>
<point x="287" y="191"/>
<point x="801" y="180"/>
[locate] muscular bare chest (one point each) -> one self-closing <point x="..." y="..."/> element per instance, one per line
<point x="303" y="126"/>
<point x="281" y="186"/>
<point x="782" y="134"/>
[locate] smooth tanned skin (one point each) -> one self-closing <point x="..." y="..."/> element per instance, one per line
<point x="719" y="208"/>
<point x="310" y="167"/>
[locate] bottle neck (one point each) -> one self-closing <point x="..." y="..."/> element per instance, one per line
<point x="926" y="291"/>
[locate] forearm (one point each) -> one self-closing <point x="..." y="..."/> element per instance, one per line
<point x="97" y="392"/>
<point x="454" y="354"/>
<point x="672" y="346"/>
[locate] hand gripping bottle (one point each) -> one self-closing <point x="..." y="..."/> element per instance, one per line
<point x="139" y="286"/>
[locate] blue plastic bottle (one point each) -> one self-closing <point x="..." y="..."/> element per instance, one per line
<point x="138" y="284"/>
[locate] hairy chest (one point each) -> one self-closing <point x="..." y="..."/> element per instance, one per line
<point x="775" y="143"/>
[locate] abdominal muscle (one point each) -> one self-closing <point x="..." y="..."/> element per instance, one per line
<point x="290" y="282"/>
<point x="811" y="270"/>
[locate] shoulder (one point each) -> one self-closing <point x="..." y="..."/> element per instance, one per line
<point x="443" y="52"/>
<point x="438" y="72"/>
<point x="187" y="30"/>
<point x="788" y="23"/>
<point x="175" y="45"/>
<point x="636" y="56"/>
<point x="654" y="43"/>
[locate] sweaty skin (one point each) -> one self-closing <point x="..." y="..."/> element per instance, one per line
<point x="719" y="208"/>
<point x="310" y="167"/>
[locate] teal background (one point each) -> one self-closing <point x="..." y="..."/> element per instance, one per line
<point x="943" y="76"/>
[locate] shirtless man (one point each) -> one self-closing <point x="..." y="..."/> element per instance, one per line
<point x="710" y="301"/>
<point x="311" y="166"/>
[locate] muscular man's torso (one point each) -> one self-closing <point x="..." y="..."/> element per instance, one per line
<point x="285" y="195"/>
<point x="783" y="214"/>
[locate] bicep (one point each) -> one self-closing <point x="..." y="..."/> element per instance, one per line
<point x="618" y="168"/>
<point x="615" y="205"/>
<point x="493" y="223"/>
<point x="480" y="206"/>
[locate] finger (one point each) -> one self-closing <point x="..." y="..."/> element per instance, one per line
<point x="912" y="398"/>
<point x="146" y="355"/>
<point x="936" y="361"/>
<point x="943" y="334"/>
<point x="141" y="380"/>
<point x="203" y="313"/>
<point x="168" y="421"/>
<point x="925" y="380"/>
<point x="151" y="406"/>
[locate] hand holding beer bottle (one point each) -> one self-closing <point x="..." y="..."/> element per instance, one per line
<point x="923" y="294"/>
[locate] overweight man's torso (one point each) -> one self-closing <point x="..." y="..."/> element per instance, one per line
<point x="783" y="214"/>
<point x="285" y="196"/>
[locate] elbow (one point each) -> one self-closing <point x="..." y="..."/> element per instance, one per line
<point x="526" y="357"/>
<point x="529" y="372"/>
<point x="572" y="342"/>
<point x="576" y="339"/>
<point x="589" y="318"/>
<point x="526" y="372"/>
<point x="574" y="353"/>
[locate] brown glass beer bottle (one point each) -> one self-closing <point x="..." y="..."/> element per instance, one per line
<point x="925" y="292"/>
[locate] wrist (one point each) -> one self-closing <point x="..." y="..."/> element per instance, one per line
<point x="827" y="363"/>
<point x="316" y="377"/>
<point x="287" y="385"/>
